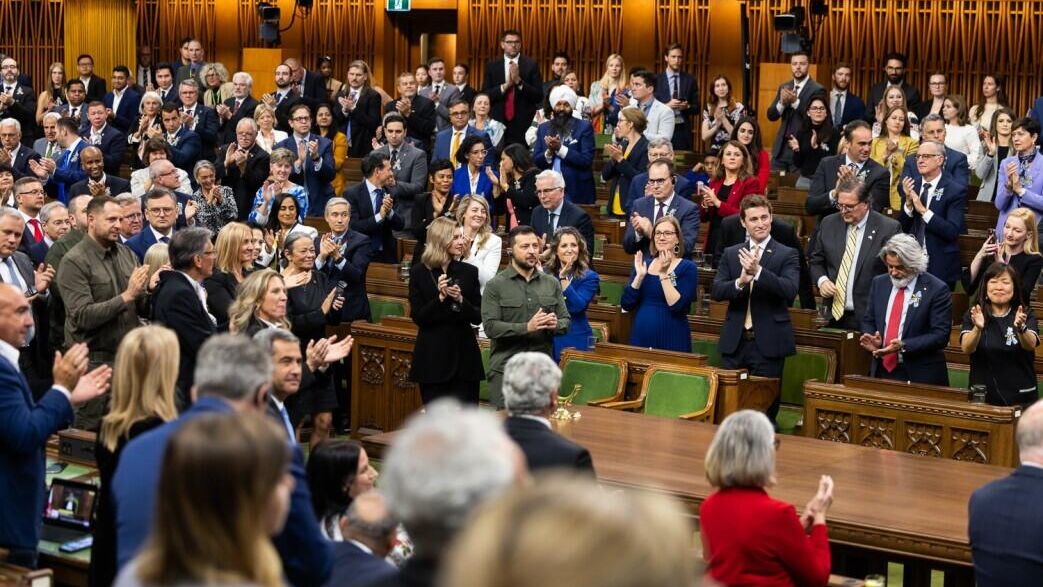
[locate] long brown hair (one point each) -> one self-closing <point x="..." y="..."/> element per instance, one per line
<point x="747" y="165"/>
<point x="553" y="264"/>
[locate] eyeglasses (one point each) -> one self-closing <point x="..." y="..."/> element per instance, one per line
<point x="927" y="155"/>
<point x="546" y="191"/>
<point x="162" y="211"/>
<point x="848" y="207"/>
<point x="32" y="192"/>
<point x="301" y="119"/>
<point x="658" y="181"/>
<point x="481" y="152"/>
<point x="816" y="108"/>
<point x="459" y="113"/>
<point x="664" y="233"/>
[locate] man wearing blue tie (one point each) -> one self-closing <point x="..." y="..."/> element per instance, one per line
<point x="372" y="207"/>
<point x="287" y="370"/>
<point x="313" y="167"/>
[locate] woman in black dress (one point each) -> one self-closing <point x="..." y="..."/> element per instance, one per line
<point x="444" y="302"/>
<point x="1000" y="334"/>
<point x="142" y="398"/>
<point x="235" y="250"/>
<point x="514" y="192"/>
<point x="434" y="204"/>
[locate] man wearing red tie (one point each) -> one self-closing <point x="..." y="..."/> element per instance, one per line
<point x="514" y="87"/>
<point x="29" y="196"/>
<point x="906" y="326"/>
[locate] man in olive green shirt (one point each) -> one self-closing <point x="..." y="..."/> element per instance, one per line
<point x="522" y="308"/>
<point x="104" y="292"/>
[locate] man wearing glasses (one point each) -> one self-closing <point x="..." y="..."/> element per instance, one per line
<point x="957" y="170"/>
<point x="660" y="201"/>
<point x="853" y="163"/>
<point x="554" y="212"/>
<point x="566" y="145"/>
<point x="894" y="69"/>
<point x="313" y="167"/>
<point x="845" y="257"/>
<point x="514" y="87"/>
<point x="164" y="209"/>
<point x="448" y="140"/>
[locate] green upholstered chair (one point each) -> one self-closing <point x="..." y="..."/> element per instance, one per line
<point x="601" y="379"/>
<point x="611" y="292"/>
<point x="600" y="330"/>
<point x="381" y="306"/>
<point x="706" y="344"/>
<point x="672" y="391"/>
<point x="959" y="376"/>
<point x="808" y="363"/>
<point x="483" y="385"/>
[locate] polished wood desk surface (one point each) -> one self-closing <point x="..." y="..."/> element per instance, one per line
<point x="884" y="500"/>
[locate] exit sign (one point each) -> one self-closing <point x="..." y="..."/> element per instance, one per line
<point x="398" y="5"/>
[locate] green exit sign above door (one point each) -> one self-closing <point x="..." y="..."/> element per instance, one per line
<point x="398" y="5"/>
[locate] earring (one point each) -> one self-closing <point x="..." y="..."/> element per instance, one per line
<point x="677" y="250"/>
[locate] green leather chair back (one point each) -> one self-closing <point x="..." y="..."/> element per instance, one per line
<point x="806" y="364"/>
<point x="705" y="346"/>
<point x="671" y="395"/>
<point x="379" y="308"/>
<point x="611" y="292"/>
<point x="599" y="380"/>
<point x="959" y="378"/>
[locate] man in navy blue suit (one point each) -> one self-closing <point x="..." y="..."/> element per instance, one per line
<point x="184" y="145"/>
<point x="933" y="212"/>
<point x="123" y="101"/>
<point x="313" y="168"/>
<point x="12" y="151"/>
<point x="844" y="106"/>
<point x="198" y="118"/>
<point x="97" y="182"/>
<point x="658" y="148"/>
<point x="566" y="145"/>
<point x="26" y="425"/>
<point x="677" y="89"/>
<point x="759" y="279"/>
<point x="161" y="214"/>
<point x="555" y="211"/>
<point x="232" y="376"/>
<point x="906" y="326"/>
<point x="17" y="99"/>
<point x="101" y="134"/>
<point x="448" y="140"/>
<point x="369" y="535"/>
<point x="932" y="128"/>
<point x="1006" y="517"/>
<point x="372" y="207"/>
<point x="60" y="174"/>
<point x="664" y="201"/>
<point x="343" y="255"/>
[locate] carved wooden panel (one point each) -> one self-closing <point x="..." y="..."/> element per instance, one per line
<point x="834" y="426"/>
<point x="876" y="432"/>
<point x="923" y="439"/>
<point x="970" y="445"/>
<point x="372" y="368"/>
<point x="162" y="24"/>
<point x="341" y="29"/>
<point x="33" y="32"/>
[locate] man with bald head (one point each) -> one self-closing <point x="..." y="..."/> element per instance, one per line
<point x="1006" y="516"/>
<point x="97" y="182"/>
<point x="243" y="166"/>
<point x="369" y="535"/>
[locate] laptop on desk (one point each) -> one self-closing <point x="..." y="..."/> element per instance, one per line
<point x="68" y="513"/>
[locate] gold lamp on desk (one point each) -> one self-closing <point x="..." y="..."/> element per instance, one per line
<point x="562" y="414"/>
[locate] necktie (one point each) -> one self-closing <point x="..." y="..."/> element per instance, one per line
<point x="553" y="222"/>
<point x="164" y="239"/>
<point x="891" y="361"/>
<point x="840" y="297"/>
<point x="508" y="105"/>
<point x="74" y="112"/>
<point x="279" y="101"/>
<point x="748" y="323"/>
<point x="659" y="211"/>
<point x="378" y="199"/>
<point x="838" y="110"/>
<point x="286" y="422"/>
<point x="50" y="149"/>
<point x="37" y="233"/>
<point x="437" y="89"/>
<point x="921" y="226"/>
<point x="394" y="157"/>
<point x="235" y="106"/>
<point x="677" y="91"/>
<point x="454" y="147"/>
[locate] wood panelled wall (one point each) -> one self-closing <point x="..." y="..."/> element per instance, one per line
<point x="162" y="24"/>
<point x="33" y="32"/>
<point x="966" y="39"/>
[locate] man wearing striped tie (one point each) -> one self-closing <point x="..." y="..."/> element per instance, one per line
<point x="844" y="259"/>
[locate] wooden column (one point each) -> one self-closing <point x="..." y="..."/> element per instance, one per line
<point x="639" y="34"/>
<point x="725" y="46"/>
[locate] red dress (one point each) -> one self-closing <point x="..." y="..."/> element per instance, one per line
<point x="750" y="539"/>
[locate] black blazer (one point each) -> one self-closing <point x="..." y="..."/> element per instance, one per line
<point x="446" y="347"/>
<point x="571" y="215"/>
<point x="364" y="120"/>
<point x="356" y="254"/>
<point x="528" y="97"/>
<point x="116" y="184"/>
<point x="545" y="449"/>
<point x="1005" y="530"/>
<point x="523" y="197"/>
<point x="96" y="90"/>
<point x="854" y="108"/>
<point x="620" y="174"/>
<point x="208" y="128"/>
<point x="363" y="219"/>
<point x="244" y="183"/>
<point x="221" y="289"/>
<point x="420" y="126"/>
<point x="282" y="112"/>
<point x="689" y="92"/>
<point x="424" y="214"/>
<point x="176" y="305"/>
<point x="877" y="179"/>
<point x="732" y="233"/>
<point x="304" y="308"/>
<point x="245" y="111"/>
<point x="313" y="90"/>
<point x="354" y="567"/>
<point x="20" y="165"/>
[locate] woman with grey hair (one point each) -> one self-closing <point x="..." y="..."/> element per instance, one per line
<point x="745" y="532"/>
<point x="215" y="203"/>
<point x="213" y="77"/>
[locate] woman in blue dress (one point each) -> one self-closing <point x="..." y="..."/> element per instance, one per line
<point x="570" y="262"/>
<point x="660" y="291"/>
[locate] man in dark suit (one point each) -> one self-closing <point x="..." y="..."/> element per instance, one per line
<point x="199" y="119"/>
<point x="790" y="101"/>
<point x="1005" y="539"/>
<point x="555" y="211"/>
<point x="759" y="279"/>
<point x="907" y="323"/>
<point x="145" y="71"/>
<point x="97" y="182"/>
<point x="165" y="83"/>
<point x="244" y="166"/>
<point x="566" y="145"/>
<point x="359" y="113"/>
<point x="844" y="258"/>
<point x="123" y="101"/>
<point x="732" y="233"/>
<point x="184" y="145"/>
<point x="678" y="90"/>
<point x="440" y="92"/>
<point x="894" y="69"/>
<point x="17" y="101"/>
<point x="514" y="88"/>
<point x="29" y="424"/>
<point x="283" y="98"/>
<point x="408" y="164"/>
<point x="449" y="139"/>
<point x="658" y="148"/>
<point x="76" y="105"/>
<point x="369" y="535"/>
<point x="161" y="207"/>
<point x="343" y="255"/>
<point x="179" y="302"/>
<point x="934" y="211"/>
<point x="854" y="163"/>
<point x="663" y="202"/>
<point x="372" y="207"/>
<point x="460" y="73"/>
<point x="416" y="110"/>
<point x="29" y="198"/>
<point x="101" y="134"/>
<point x="956" y="170"/>
<point x="94" y="86"/>
<point x="309" y="84"/>
<point x="241" y="105"/>
<point x="12" y="151"/>
<point x="530" y="393"/>
<point x="56" y="223"/>
<point x="313" y="168"/>
<point x="61" y="174"/>
<point x="843" y="105"/>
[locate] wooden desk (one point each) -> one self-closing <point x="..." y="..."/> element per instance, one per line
<point x="383" y="279"/>
<point x="923" y="420"/>
<point x="888" y="505"/>
<point x="611" y="228"/>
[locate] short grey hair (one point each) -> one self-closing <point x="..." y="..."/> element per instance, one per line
<point x="939" y="145"/>
<point x="153" y="168"/>
<point x="293" y="238"/>
<point x="529" y="381"/>
<point x="126" y="198"/>
<point x="190" y="83"/>
<point x="232" y="367"/>
<point x="380" y="529"/>
<point x="1030" y="433"/>
<point x="742" y="453"/>
<point x="660" y="141"/>
<point x="48" y="209"/>
<point x="334" y="201"/>
<point x="266" y="338"/>
<point x="55" y="115"/>
<point x="443" y="464"/>
<point x="11" y="122"/>
<point x="244" y="77"/>
<point x="557" y="180"/>
<point x="9" y="212"/>
<point x="149" y="96"/>
<point x="79" y="203"/>
<point x="186" y="245"/>
<point x="908" y="250"/>
<point x="202" y="164"/>
<point x="932" y="117"/>
<point x="248" y="122"/>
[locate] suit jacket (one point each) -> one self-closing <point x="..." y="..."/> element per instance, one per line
<point x="313" y="89"/>
<point x="113" y="147"/>
<point x="682" y="187"/>
<point x="1005" y="539"/>
<point x="876" y="93"/>
<point x="462" y="186"/>
<point x="448" y="347"/>
<point x="956" y="167"/>
<point x="1008" y="200"/>
<point x="571" y="215"/>
<point x="876" y="177"/>
<point x="791" y="117"/>
<point x="448" y="94"/>
<point x="687" y="91"/>
<point x="246" y="110"/>
<point x="245" y="182"/>
<point x="732" y="233"/>
<point x="545" y="449"/>
<point x="185" y="72"/>
<point x="37" y="254"/>
<point x="23" y="109"/>
<point x="363" y="219"/>
<point x="67" y="172"/>
<point x="354" y="567"/>
<point x="37" y="359"/>
<point x="176" y="305"/>
<point x="926" y="330"/>
<point x="20" y="165"/>
<point x="854" y="108"/>
<point x="528" y="96"/>
<point x="116" y="184"/>
<point x="40" y="146"/>
<point x="619" y="175"/>
<point x="410" y="173"/>
<point x="827" y="252"/>
<point x="186" y="149"/>
<point x="208" y="127"/>
<point x="126" y="116"/>
<point x="168" y="95"/>
<point x="360" y="125"/>
<point x="142" y="241"/>
<point x="316" y="181"/>
<point x="355" y="255"/>
<point x="772" y="294"/>
<point x="95" y="90"/>
<point x="420" y="125"/>
<point x="467" y="93"/>
<point x="444" y="144"/>
<point x="943" y="231"/>
<point x="686" y="213"/>
<point x="282" y="111"/>
<point x="576" y="166"/>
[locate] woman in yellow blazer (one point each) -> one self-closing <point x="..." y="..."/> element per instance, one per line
<point x="891" y="148"/>
<point x="324" y="126"/>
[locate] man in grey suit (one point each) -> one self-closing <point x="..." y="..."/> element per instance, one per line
<point x="790" y="101"/>
<point x="845" y="257"/>
<point x="409" y="165"/>
<point x="441" y="92"/>
<point x="47" y="145"/>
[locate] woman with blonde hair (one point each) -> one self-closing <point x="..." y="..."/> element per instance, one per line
<point x="224" y="490"/>
<point x="267" y="135"/>
<point x="603" y="92"/>
<point x="234" y="253"/>
<point x="157" y="257"/>
<point x="1019" y="249"/>
<point x="261" y="304"/>
<point x="142" y="398"/>
<point x="483" y="248"/>
<point x="892" y="147"/>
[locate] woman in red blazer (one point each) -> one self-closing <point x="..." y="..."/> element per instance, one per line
<point x="750" y="539"/>
<point x="748" y="133"/>
<point x="733" y="180"/>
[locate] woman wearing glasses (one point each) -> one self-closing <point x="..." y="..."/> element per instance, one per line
<point x="470" y="177"/>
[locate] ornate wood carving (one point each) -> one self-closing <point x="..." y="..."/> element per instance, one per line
<point x="372" y="365"/>
<point x="401" y="362"/>
<point x="970" y="445"/>
<point x="834" y="426"/>
<point x="923" y="439"/>
<point x="877" y="432"/>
